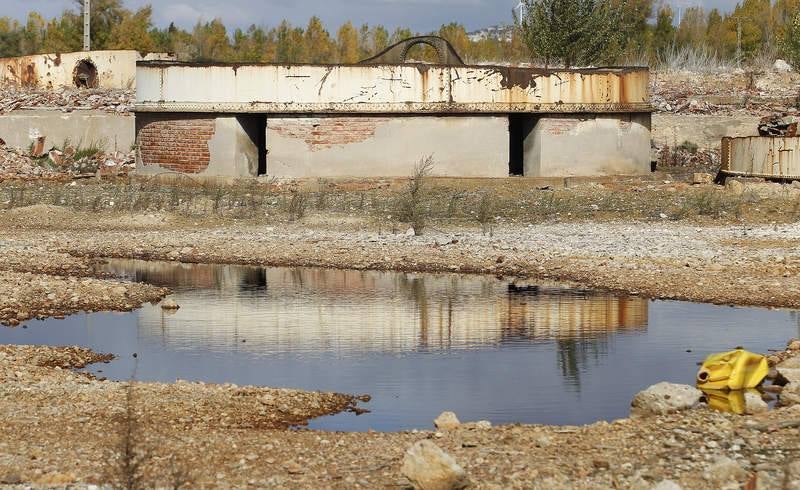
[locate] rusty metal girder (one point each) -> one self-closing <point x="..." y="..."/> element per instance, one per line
<point x="398" y="53"/>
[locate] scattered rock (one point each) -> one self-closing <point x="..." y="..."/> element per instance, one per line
<point x="725" y="470"/>
<point x="447" y="421"/>
<point x="734" y="186"/>
<point x="754" y="404"/>
<point x="169" y="304"/>
<point x="427" y="467"/>
<point x="794" y="344"/>
<point x="664" y="398"/>
<point x="702" y="178"/>
<point x="781" y="66"/>
<point x="667" y="485"/>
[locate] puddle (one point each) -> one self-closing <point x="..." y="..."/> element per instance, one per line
<point x="418" y="343"/>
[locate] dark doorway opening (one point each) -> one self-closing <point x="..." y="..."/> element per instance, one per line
<point x="85" y="74"/>
<point x="255" y="125"/>
<point x="519" y="127"/>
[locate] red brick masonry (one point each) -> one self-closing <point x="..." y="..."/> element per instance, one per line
<point x="180" y="145"/>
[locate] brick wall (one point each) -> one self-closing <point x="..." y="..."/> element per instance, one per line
<point x="320" y="133"/>
<point x="180" y="145"/>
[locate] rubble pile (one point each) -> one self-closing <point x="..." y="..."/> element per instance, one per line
<point x="70" y="163"/>
<point x="66" y="99"/>
<point x="779" y="124"/>
<point x="731" y="92"/>
<point x="683" y="156"/>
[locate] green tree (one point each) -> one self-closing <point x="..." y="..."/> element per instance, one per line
<point x="347" y="43"/>
<point x="318" y="42"/>
<point x="33" y="36"/>
<point x="693" y="28"/>
<point x="134" y="31"/>
<point x="10" y="36"/>
<point x="105" y="15"/>
<point x="457" y="36"/>
<point x="380" y="40"/>
<point x="210" y="42"/>
<point x="573" y="32"/>
<point x="664" y="31"/>
<point x="715" y="30"/>
<point x="790" y="44"/>
<point x="290" y="44"/>
<point x="64" y="34"/>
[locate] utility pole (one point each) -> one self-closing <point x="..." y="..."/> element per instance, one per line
<point x="87" y="25"/>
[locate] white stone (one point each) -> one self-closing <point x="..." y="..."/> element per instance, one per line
<point x="781" y="66"/>
<point x="169" y="304"/>
<point x="667" y="485"/>
<point x="447" y="421"/>
<point x="725" y="470"/>
<point x="664" y="398"/>
<point x="754" y="404"/>
<point x="427" y="467"/>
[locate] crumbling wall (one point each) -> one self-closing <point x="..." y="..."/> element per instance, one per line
<point x="379" y="146"/>
<point x="176" y="142"/>
<point x="203" y="144"/>
<point x="92" y="69"/>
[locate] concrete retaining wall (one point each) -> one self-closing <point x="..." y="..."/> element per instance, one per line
<point x="704" y="130"/>
<point x="113" y="131"/>
<point x="386" y="146"/>
<point x="588" y="145"/>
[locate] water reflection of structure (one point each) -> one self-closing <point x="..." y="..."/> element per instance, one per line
<point x="314" y="310"/>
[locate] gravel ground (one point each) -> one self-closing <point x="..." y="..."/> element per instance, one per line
<point x="65" y="428"/>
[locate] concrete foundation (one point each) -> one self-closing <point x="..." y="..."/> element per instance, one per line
<point x="587" y="145"/>
<point x="386" y="146"/>
<point x="80" y="128"/>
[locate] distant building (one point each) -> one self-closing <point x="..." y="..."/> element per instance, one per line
<point x="501" y="33"/>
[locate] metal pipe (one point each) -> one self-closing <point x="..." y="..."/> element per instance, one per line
<point x="87" y="25"/>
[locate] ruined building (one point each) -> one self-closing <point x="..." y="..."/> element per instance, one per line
<point x="379" y="117"/>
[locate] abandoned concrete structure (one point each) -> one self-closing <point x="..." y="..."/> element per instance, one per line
<point x="89" y="69"/>
<point x="372" y="120"/>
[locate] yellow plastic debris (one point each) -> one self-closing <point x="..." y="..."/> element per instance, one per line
<point x="735" y="370"/>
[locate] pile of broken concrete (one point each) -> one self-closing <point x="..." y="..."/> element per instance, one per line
<point x="65" y="99"/>
<point x="779" y="124"/>
<point x="39" y="162"/>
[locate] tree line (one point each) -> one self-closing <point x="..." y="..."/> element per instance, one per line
<point x="554" y="32"/>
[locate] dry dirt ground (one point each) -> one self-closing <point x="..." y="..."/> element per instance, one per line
<point x="653" y="238"/>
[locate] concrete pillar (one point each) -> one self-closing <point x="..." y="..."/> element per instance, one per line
<point x="588" y="145"/>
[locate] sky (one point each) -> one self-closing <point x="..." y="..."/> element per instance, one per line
<point x="419" y="15"/>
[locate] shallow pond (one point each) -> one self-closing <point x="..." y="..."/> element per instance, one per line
<point x="418" y="343"/>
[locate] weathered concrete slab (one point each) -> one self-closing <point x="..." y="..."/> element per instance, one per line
<point x="111" y="131"/>
<point x="386" y="146"/>
<point x="399" y="89"/>
<point x="704" y="130"/>
<point x="589" y="144"/>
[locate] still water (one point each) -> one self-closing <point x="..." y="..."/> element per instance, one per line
<point x="418" y="343"/>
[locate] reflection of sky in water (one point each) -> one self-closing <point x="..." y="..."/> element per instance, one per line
<point x="418" y="343"/>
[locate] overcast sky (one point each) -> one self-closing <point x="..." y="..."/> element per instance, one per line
<point x="419" y="15"/>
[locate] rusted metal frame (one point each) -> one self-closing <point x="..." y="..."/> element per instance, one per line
<point x="393" y="108"/>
